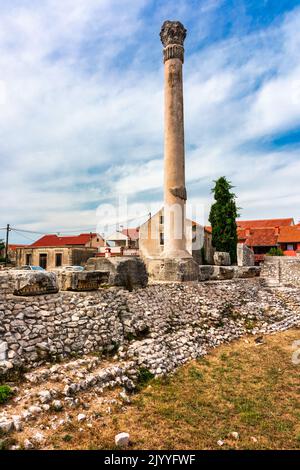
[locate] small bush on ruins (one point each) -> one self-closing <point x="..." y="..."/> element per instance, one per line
<point x="5" y="393"/>
<point x="144" y="376"/>
<point x="222" y="217"/>
<point x="275" y="251"/>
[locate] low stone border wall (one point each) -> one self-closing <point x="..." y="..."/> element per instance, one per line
<point x="219" y="273"/>
<point x="171" y="318"/>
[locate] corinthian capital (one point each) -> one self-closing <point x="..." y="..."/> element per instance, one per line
<point x="172" y="36"/>
<point x="172" y="32"/>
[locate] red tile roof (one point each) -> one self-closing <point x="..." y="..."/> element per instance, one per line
<point x="289" y="234"/>
<point x="15" y="246"/>
<point x="264" y="223"/>
<point x="258" y="236"/>
<point x="54" y="240"/>
<point x="267" y="232"/>
<point x="132" y="233"/>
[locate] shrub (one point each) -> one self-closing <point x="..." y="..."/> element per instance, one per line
<point x="144" y="376"/>
<point x="275" y="251"/>
<point x="5" y="393"/>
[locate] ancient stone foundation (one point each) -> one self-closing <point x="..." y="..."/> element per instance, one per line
<point x="159" y="326"/>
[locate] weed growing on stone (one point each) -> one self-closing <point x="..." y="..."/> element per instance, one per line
<point x="5" y="393"/>
<point x="144" y="376"/>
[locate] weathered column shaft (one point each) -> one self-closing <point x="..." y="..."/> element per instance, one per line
<point x="172" y="36"/>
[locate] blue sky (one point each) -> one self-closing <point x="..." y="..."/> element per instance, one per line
<point x="81" y="108"/>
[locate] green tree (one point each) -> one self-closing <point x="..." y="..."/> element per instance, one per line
<point x="2" y="247"/>
<point x="223" y="216"/>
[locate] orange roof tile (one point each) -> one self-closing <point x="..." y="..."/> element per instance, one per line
<point x="265" y="223"/>
<point x="132" y="233"/>
<point x="289" y="234"/>
<point x="258" y="236"/>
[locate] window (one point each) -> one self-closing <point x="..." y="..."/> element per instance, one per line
<point x="58" y="260"/>
<point x="161" y="219"/>
<point x="290" y="247"/>
<point x="28" y="259"/>
<point x="161" y="238"/>
<point x="43" y="260"/>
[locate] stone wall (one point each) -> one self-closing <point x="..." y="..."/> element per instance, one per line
<point x="281" y="270"/>
<point x="160" y="326"/>
<point x="245" y="256"/>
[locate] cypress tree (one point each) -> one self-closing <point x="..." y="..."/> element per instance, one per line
<point x="222" y="217"/>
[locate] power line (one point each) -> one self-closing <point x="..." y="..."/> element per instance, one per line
<point x="22" y="235"/>
<point x="22" y="231"/>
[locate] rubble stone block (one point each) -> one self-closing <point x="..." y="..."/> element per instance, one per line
<point x="222" y="258"/>
<point x="27" y="283"/>
<point x="129" y="272"/>
<point x="82" y="281"/>
<point x="173" y="270"/>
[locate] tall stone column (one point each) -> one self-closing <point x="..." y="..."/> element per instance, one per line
<point x="175" y="264"/>
<point x="172" y="37"/>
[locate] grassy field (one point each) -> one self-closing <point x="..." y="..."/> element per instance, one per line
<point x="240" y="387"/>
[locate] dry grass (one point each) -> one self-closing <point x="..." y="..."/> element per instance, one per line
<point x="242" y="387"/>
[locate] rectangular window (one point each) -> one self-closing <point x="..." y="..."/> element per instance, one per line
<point x="58" y="260"/>
<point x="43" y="260"/>
<point x="161" y="238"/>
<point x="161" y="219"/>
<point x="290" y="247"/>
<point x="28" y="259"/>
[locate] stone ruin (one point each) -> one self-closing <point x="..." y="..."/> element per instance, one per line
<point x="281" y="271"/>
<point x="129" y="272"/>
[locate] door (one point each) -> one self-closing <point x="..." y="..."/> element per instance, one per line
<point x="43" y="260"/>
<point x="58" y="260"/>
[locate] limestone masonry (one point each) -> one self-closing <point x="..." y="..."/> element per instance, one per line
<point x="160" y="326"/>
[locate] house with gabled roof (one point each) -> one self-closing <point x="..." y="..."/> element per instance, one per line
<point x="54" y="251"/>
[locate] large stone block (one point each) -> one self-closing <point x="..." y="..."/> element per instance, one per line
<point x="82" y="281"/>
<point x="242" y="272"/>
<point x="222" y="258"/>
<point x="173" y="270"/>
<point x="245" y="256"/>
<point x="281" y="270"/>
<point x="28" y="283"/>
<point x="129" y="272"/>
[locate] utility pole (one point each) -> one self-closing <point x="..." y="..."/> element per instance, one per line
<point x="6" y="245"/>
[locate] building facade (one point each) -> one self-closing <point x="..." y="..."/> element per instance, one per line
<point x="52" y="251"/>
<point x="152" y="238"/>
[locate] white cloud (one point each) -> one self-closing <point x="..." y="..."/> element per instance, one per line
<point x="81" y="110"/>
